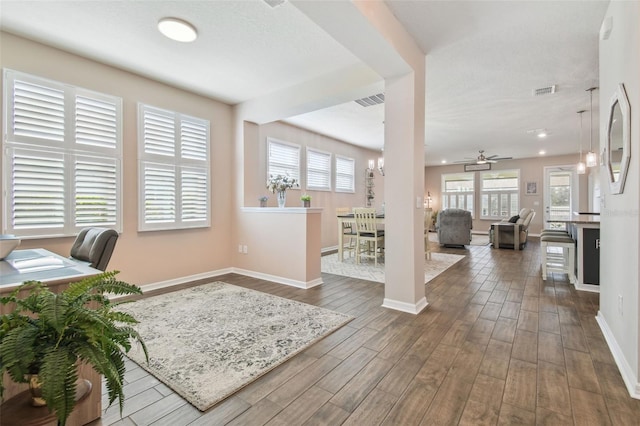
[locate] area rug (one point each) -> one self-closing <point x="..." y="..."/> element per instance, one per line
<point x="476" y="239"/>
<point x="367" y="270"/>
<point x="208" y="341"/>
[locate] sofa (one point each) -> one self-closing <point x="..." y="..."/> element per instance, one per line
<point x="454" y="227"/>
<point x="508" y="228"/>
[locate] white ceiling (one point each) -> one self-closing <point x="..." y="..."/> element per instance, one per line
<point x="484" y="59"/>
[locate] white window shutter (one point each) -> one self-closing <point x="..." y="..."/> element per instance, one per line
<point x="318" y="170"/>
<point x="159" y="134"/>
<point x="38" y="113"/>
<point x="195" y="198"/>
<point x="194" y="139"/>
<point x="36" y="191"/>
<point x="97" y="122"/>
<point x="284" y="159"/>
<point x="96" y="189"/>
<point x="345" y="174"/>
<point x="159" y="193"/>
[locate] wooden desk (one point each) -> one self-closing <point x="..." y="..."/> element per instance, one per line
<point x="56" y="272"/>
<point x="350" y="218"/>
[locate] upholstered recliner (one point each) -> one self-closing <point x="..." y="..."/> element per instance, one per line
<point x="94" y="247"/>
<point x="454" y="227"/>
<point x="508" y="227"/>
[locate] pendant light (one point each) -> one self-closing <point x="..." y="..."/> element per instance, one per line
<point x="591" y="158"/>
<point x="580" y="167"/>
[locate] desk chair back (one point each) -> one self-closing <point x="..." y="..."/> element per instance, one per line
<point x="94" y="246"/>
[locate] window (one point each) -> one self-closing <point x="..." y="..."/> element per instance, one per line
<point x="500" y="195"/>
<point x="62" y="163"/>
<point x="318" y="170"/>
<point x="283" y="159"/>
<point x="345" y="174"/>
<point x="173" y="150"/>
<point x="458" y="191"/>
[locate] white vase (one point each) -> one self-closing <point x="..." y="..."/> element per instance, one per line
<point x="282" y="198"/>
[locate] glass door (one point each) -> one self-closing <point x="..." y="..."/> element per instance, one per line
<point x="558" y="195"/>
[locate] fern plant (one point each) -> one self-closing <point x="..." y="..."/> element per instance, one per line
<point x="48" y="333"/>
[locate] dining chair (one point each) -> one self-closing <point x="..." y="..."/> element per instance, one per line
<point x="428" y="214"/>
<point x="94" y="246"/>
<point x="348" y="231"/>
<point x="368" y="234"/>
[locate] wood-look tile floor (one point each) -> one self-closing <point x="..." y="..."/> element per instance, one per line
<point x="497" y="345"/>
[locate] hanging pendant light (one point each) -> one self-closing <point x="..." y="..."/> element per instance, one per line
<point x="581" y="168"/>
<point x="591" y="158"/>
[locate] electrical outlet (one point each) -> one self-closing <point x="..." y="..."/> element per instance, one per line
<point x="244" y="249"/>
<point x="239" y="248"/>
<point x="620" y="304"/>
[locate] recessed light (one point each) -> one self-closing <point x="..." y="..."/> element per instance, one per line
<point x="542" y="135"/>
<point x="443" y="162"/>
<point x="542" y="152"/>
<point x="177" y="29"/>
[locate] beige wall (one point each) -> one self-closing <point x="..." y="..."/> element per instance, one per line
<point x="255" y="175"/>
<point x="143" y="257"/>
<point x="531" y="169"/>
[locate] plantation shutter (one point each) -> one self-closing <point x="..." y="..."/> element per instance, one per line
<point x="345" y="177"/>
<point x="174" y="157"/>
<point x="63" y="150"/>
<point x="96" y="191"/>
<point x="318" y="170"/>
<point x="283" y="159"/>
<point x="36" y="191"/>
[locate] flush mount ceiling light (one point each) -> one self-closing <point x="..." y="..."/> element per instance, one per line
<point x="177" y="29"/>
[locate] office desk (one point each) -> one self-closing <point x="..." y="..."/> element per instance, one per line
<point x="350" y="218"/>
<point x="56" y="272"/>
<point x="39" y="265"/>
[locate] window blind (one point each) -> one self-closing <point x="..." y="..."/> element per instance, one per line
<point x="63" y="148"/>
<point x="318" y="170"/>
<point x="345" y="174"/>
<point x="174" y="157"/>
<point x="283" y="159"/>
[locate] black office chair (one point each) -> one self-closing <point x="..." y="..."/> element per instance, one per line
<point x="94" y="246"/>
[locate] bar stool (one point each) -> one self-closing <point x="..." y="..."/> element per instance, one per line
<point x="558" y="262"/>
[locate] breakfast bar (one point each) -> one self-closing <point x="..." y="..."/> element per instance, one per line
<point x="584" y="228"/>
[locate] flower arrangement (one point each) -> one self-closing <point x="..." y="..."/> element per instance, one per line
<point x="280" y="183"/>
<point x="305" y="197"/>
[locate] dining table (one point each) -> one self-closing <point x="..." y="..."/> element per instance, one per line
<point x="350" y="218"/>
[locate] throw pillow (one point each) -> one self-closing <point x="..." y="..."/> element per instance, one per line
<point x="514" y="219"/>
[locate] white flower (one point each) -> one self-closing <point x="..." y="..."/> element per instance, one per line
<point x="280" y="183"/>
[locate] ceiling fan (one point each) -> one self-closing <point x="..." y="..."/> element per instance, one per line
<point x="483" y="159"/>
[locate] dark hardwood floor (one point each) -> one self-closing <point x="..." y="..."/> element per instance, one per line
<point x="496" y="346"/>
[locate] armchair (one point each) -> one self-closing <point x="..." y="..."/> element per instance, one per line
<point x="454" y="227"/>
<point x="516" y="229"/>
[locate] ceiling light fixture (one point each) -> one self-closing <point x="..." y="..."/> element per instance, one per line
<point x="542" y="134"/>
<point x="542" y="152"/>
<point x="591" y="158"/>
<point x="177" y="29"/>
<point x="580" y="167"/>
<point x="443" y="162"/>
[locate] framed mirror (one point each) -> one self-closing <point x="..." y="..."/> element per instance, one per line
<point x="618" y="149"/>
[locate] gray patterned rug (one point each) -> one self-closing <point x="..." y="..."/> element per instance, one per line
<point x="367" y="270"/>
<point x="208" y="341"/>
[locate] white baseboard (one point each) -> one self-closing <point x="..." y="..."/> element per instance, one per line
<point x="183" y="280"/>
<point x="328" y="249"/>
<point x="411" y="308"/>
<point x="630" y="379"/>
<point x="277" y="279"/>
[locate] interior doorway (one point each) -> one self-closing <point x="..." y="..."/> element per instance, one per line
<point x="559" y="195"/>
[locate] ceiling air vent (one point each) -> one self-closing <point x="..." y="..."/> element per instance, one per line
<point x="371" y="100"/>
<point x="545" y="90"/>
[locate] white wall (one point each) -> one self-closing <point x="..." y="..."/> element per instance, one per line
<point x="620" y="225"/>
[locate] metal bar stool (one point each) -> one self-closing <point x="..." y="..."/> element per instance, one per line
<point x="564" y="261"/>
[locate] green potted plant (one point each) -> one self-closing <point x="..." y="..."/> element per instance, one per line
<point x="48" y="333"/>
<point x="263" y="201"/>
<point x="306" y="200"/>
